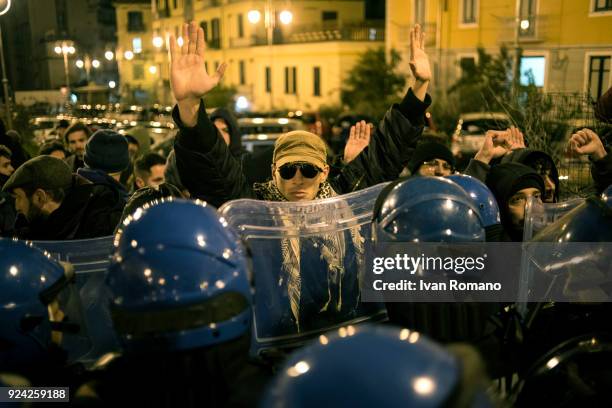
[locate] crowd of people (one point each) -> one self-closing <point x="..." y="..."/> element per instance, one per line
<point x="180" y="286"/>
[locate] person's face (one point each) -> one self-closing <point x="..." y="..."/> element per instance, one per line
<point x="299" y="187"/>
<point x="223" y="130"/>
<point x="6" y="169"/>
<point x="435" y="167"/>
<point x="58" y="153"/>
<point x="76" y="143"/>
<point x="29" y="207"/>
<point x="132" y="150"/>
<point x="157" y="175"/>
<point x="516" y="205"/>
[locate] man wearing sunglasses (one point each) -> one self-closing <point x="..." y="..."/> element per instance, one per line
<point x="300" y="169"/>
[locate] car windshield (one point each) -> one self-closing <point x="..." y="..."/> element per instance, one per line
<point x="480" y="126"/>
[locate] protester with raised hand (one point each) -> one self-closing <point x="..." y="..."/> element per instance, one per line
<point x="359" y="139"/>
<point x="210" y="172"/>
<point x="587" y="142"/>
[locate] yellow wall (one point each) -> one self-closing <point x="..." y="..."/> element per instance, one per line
<point x="566" y="33"/>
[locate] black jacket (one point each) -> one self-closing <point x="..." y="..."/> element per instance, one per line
<point x="211" y="173"/>
<point x="601" y="170"/>
<point x="88" y="211"/>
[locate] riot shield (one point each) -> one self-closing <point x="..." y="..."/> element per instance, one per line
<point x="89" y="258"/>
<point x="567" y="260"/>
<point x="308" y="261"/>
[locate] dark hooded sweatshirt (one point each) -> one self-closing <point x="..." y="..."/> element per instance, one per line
<point x="530" y="158"/>
<point x="505" y="180"/>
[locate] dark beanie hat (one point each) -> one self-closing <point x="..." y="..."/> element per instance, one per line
<point x="507" y="179"/>
<point x="428" y="151"/>
<point x="108" y="151"/>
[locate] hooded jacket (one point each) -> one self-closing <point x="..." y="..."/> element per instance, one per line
<point x="233" y="129"/>
<point x="505" y="180"/>
<point x="87" y="211"/>
<point x="97" y="176"/>
<point x="529" y="157"/>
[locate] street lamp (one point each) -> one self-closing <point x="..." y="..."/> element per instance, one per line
<point x="7" y="101"/>
<point x="128" y="55"/>
<point x="87" y="63"/>
<point x="285" y="17"/>
<point x="65" y="48"/>
<point x="109" y="55"/>
<point x="158" y="42"/>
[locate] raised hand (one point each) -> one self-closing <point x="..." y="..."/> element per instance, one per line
<point x="495" y="145"/>
<point x="419" y="62"/>
<point x="515" y="139"/>
<point x="586" y="141"/>
<point x="188" y="72"/>
<point x="359" y="138"/>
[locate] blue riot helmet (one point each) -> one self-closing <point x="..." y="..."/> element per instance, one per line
<point x="394" y="368"/>
<point x="178" y="278"/>
<point x="40" y="306"/>
<point x="482" y="196"/>
<point x="426" y="209"/>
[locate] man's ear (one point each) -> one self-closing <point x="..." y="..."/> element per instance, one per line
<point x="139" y="182"/>
<point x="39" y="197"/>
<point x="324" y="173"/>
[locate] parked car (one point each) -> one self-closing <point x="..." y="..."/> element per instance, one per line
<point x="257" y="133"/>
<point x="43" y="127"/>
<point x="471" y="128"/>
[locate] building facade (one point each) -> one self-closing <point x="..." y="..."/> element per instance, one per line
<point x="33" y="29"/>
<point x="566" y="44"/>
<point x="273" y="63"/>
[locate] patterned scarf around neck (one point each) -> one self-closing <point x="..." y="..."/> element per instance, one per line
<point x="331" y="246"/>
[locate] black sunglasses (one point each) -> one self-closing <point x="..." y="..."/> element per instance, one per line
<point x="287" y="171"/>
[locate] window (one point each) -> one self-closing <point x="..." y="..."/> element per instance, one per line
<point x="469" y="10"/>
<point x="316" y="81"/>
<point x="527" y="18"/>
<point x="242" y="72"/>
<point x="138" y="71"/>
<point x="137" y="45"/>
<point x="290" y="80"/>
<point x="533" y="70"/>
<point x="602" y="5"/>
<point x="175" y="4"/>
<point x="204" y="26"/>
<point x="135" y="23"/>
<point x="240" y="26"/>
<point x="215" y="41"/>
<point x="268" y="80"/>
<point x="599" y="75"/>
<point x="329" y="15"/>
<point x="419" y="11"/>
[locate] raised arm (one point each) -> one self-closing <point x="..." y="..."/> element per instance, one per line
<point x="206" y="167"/>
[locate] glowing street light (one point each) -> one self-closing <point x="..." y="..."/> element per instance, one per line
<point x="153" y="69"/>
<point x="525" y="24"/>
<point x="109" y="55"/>
<point x="80" y="64"/>
<point x="58" y="49"/>
<point x="158" y="42"/>
<point x="254" y="16"/>
<point x="112" y="84"/>
<point x="286" y="17"/>
<point x="95" y="63"/>
<point x="128" y="55"/>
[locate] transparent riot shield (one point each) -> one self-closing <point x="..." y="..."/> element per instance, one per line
<point x="89" y="258"/>
<point x="568" y="257"/>
<point x="308" y="261"/>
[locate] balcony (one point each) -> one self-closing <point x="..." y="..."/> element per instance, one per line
<point x="362" y="31"/>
